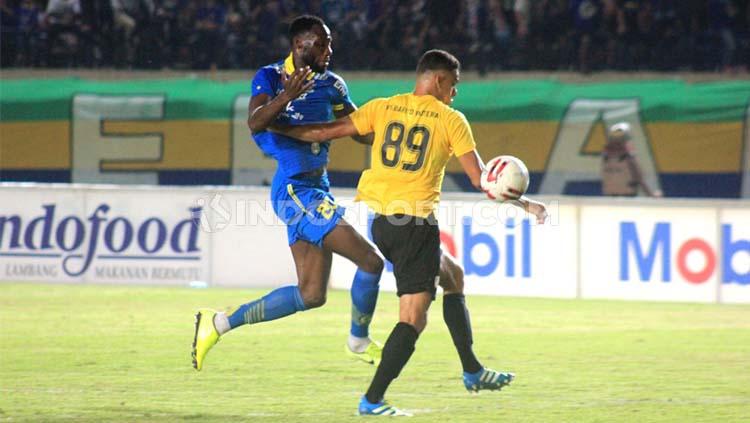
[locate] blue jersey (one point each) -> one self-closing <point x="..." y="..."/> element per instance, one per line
<point x="329" y="93"/>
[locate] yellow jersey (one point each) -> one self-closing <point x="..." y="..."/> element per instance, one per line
<point x="415" y="137"/>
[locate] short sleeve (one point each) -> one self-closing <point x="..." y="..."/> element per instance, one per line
<point x="460" y="136"/>
<point x="364" y="117"/>
<point x="262" y="83"/>
<point x="340" y="95"/>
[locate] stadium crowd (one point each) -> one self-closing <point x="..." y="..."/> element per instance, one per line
<point x="583" y="35"/>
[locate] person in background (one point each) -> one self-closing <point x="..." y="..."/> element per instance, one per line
<point x="586" y="16"/>
<point x="621" y="173"/>
<point x="29" y="16"/>
<point x="210" y="26"/>
<point x="63" y="22"/>
<point x="8" y="24"/>
<point x="721" y="16"/>
<point x="130" y="18"/>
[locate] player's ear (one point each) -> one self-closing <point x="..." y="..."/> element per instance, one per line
<point x="437" y="80"/>
<point x="296" y="43"/>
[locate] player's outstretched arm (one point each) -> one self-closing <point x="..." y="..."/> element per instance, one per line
<point x="474" y="167"/>
<point x="349" y="108"/>
<point x="319" y="132"/>
<point x="263" y="109"/>
<point x="534" y="207"/>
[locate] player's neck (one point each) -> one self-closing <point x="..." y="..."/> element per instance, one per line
<point x="423" y="89"/>
<point x="297" y="62"/>
<point x="292" y="62"/>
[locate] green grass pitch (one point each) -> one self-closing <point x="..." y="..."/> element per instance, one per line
<point x="104" y="353"/>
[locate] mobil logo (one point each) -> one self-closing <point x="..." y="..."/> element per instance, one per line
<point x="644" y="247"/>
<point x="487" y="249"/>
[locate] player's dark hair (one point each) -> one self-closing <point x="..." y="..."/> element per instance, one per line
<point x="304" y="23"/>
<point x="434" y="60"/>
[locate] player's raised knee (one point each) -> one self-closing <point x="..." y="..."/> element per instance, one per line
<point x="451" y="275"/>
<point x="314" y="300"/>
<point x="458" y="278"/>
<point x="373" y="263"/>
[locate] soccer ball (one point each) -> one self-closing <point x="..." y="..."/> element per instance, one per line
<point x="506" y="178"/>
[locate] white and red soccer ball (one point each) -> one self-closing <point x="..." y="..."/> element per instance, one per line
<point x="506" y="178"/>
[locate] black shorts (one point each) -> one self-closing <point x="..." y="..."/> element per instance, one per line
<point x="412" y="244"/>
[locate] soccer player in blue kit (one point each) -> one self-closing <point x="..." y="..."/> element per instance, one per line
<point x="301" y="90"/>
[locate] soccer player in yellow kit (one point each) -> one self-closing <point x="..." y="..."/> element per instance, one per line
<point x="415" y="136"/>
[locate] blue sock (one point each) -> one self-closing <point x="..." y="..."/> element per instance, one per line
<point x="276" y="304"/>
<point x="364" y="297"/>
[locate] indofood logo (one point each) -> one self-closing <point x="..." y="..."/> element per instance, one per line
<point x="77" y="241"/>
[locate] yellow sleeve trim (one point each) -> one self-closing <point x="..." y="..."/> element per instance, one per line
<point x="464" y="151"/>
<point x="359" y="123"/>
<point x="338" y="107"/>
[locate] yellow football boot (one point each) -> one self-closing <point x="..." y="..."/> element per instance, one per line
<point x="206" y="336"/>
<point x="371" y="355"/>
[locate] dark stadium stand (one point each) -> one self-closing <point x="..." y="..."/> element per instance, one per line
<point x="579" y="35"/>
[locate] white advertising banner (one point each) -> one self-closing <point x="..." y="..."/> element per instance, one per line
<point x="102" y="235"/>
<point x="663" y="250"/>
<point x="505" y="252"/>
<point x="249" y="242"/>
<point x="39" y="231"/>
<point x="734" y="234"/>
<point x="145" y="237"/>
<point x="649" y="253"/>
<point x="502" y="251"/>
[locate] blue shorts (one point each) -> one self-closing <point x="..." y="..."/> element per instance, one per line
<point x="306" y="206"/>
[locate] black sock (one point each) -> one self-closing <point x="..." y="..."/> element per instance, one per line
<point x="456" y="316"/>
<point x="396" y="352"/>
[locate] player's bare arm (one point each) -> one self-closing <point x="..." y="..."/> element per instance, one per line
<point x="474" y="166"/>
<point x="263" y="109"/>
<point x="346" y="111"/>
<point x="320" y="132"/>
<point x="534" y="207"/>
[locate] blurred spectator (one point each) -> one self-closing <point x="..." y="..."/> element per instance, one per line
<point x="129" y="13"/>
<point x="721" y="14"/>
<point x="621" y="173"/>
<point x="549" y="29"/>
<point x="8" y="25"/>
<point x="131" y="16"/>
<point x="63" y="20"/>
<point x="670" y="42"/>
<point x="28" y="17"/>
<point x="165" y="23"/>
<point x="270" y="32"/>
<point x="96" y="32"/>
<point x="210" y="20"/>
<point x="352" y="50"/>
<point x="237" y="35"/>
<point x="637" y="35"/>
<point x="181" y="35"/>
<point x="517" y="14"/>
<point x="586" y="20"/>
